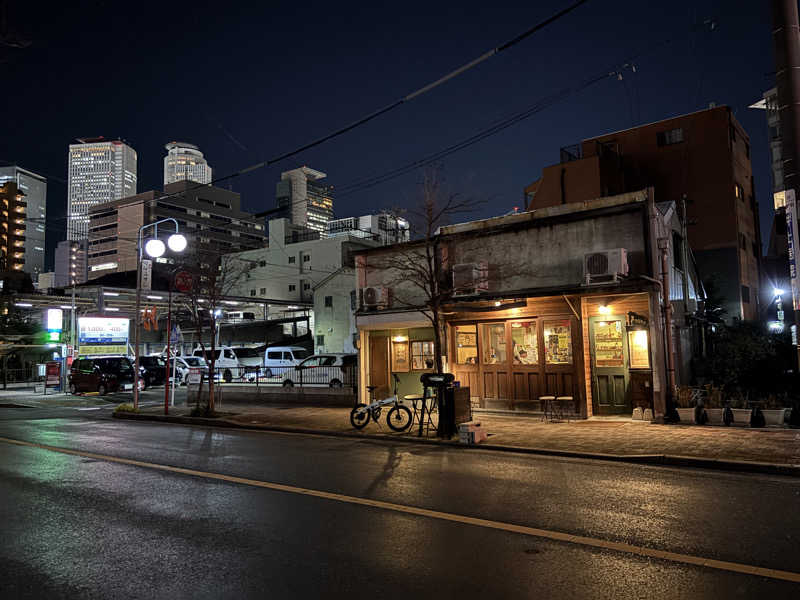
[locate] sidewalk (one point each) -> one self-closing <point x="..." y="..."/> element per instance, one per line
<point x="628" y="440"/>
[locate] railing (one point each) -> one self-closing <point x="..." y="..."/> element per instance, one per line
<point x="343" y="376"/>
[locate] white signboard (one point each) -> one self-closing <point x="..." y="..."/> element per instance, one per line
<point x="147" y="274"/>
<point x="55" y="318"/>
<point x="195" y="376"/>
<point x="793" y="240"/>
<point x="103" y="335"/>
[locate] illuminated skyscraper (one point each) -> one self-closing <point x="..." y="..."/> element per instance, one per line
<point x="185" y="162"/>
<point x="35" y="189"/>
<point x="305" y="201"/>
<point x="99" y="171"/>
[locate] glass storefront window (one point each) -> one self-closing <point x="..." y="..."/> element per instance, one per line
<point x="608" y="344"/>
<point x="524" y="343"/>
<point x="494" y="343"/>
<point x="421" y="356"/>
<point x="558" y="342"/>
<point x="638" y="349"/>
<point x="466" y="344"/>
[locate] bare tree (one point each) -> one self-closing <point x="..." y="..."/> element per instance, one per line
<point x="415" y="270"/>
<point x="216" y="277"/>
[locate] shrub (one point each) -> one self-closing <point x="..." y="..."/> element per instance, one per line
<point x="126" y="407"/>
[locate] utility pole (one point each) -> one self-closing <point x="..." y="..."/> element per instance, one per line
<point x="786" y="41"/>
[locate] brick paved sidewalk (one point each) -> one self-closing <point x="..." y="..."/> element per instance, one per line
<point x="624" y="438"/>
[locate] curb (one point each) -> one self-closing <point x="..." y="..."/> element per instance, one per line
<point x="665" y="460"/>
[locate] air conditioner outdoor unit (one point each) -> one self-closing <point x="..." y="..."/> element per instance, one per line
<point x="604" y="267"/>
<point x="375" y="297"/>
<point x="470" y="279"/>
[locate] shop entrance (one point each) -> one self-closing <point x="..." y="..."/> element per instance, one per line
<point x="379" y="365"/>
<point x="610" y="375"/>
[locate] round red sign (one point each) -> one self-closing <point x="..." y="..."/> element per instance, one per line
<point x="183" y="281"/>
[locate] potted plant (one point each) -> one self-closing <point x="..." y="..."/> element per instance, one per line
<point x="741" y="414"/>
<point x="714" y="405"/>
<point x="683" y="401"/>
<point x="773" y="411"/>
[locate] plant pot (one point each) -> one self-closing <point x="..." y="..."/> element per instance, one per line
<point x="686" y="415"/>
<point x="714" y="415"/>
<point x="741" y="416"/>
<point x="774" y="416"/>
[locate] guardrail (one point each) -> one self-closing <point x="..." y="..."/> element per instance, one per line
<point x="344" y="376"/>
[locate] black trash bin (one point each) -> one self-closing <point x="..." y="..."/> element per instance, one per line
<point x="442" y="386"/>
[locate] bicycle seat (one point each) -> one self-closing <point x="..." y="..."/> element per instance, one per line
<point x="372" y="388"/>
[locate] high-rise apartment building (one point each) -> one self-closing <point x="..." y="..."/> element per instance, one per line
<point x="185" y="162"/>
<point x="703" y="157"/>
<point x="99" y="171"/>
<point x="210" y="217"/>
<point x="71" y="262"/>
<point x="12" y="227"/>
<point x="304" y="200"/>
<point x="35" y="189"/>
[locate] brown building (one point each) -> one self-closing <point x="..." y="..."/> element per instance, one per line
<point x="210" y="218"/>
<point x="704" y="156"/>
<point x="12" y="227"/>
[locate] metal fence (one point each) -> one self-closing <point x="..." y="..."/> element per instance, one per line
<point x="338" y="376"/>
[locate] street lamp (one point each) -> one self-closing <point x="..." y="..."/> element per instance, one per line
<point x="154" y="248"/>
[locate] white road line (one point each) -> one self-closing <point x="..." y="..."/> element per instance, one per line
<point x="688" y="559"/>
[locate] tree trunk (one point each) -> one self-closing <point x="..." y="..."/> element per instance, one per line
<point x="437" y="342"/>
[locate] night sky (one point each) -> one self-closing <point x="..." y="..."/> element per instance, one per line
<point x="247" y="81"/>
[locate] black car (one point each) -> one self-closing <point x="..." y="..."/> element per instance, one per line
<point x="153" y="370"/>
<point x="102" y="375"/>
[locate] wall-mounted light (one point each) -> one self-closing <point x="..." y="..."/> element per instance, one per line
<point x="604" y="310"/>
<point x="400" y="338"/>
<point x="497" y="303"/>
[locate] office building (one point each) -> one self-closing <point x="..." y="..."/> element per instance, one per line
<point x="71" y="263"/>
<point x="99" y="171"/>
<point x="304" y="200"/>
<point x="12" y="227"/>
<point x="703" y="156"/>
<point x="35" y="189"/>
<point x="383" y="228"/>
<point x="210" y="218"/>
<point x="46" y="281"/>
<point x="185" y="162"/>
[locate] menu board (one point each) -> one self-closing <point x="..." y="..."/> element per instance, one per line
<point x="608" y="351"/>
<point x="638" y="349"/>
<point x="558" y="342"/>
<point x="400" y="357"/>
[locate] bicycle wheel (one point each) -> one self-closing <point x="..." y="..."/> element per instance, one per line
<point x="399" y="418"/>
<point x="359" y="420"/>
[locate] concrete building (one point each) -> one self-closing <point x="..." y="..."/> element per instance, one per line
<point x="703" y="156"/>
<point x="562" y="302"/>
<point x="46" y="281"/>
<point x="308" y="270"/>
<point x="210" y="217"/>
<point x="71" y="263"/>
<point x="99" y="171"/>
<point x="35" y="189"/>
<point x="383" y="228"/>
<point x="304" y="201"/>
<point x="185" y="162"/>
<point x="12" y="227"/>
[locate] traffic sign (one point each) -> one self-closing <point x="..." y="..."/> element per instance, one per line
<point x="183" y="281"/>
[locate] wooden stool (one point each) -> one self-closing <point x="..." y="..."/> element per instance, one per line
<point x="547" y="406"/>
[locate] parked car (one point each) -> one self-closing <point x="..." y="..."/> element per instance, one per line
<point x="102" y="375"/>
<point x="278" y="359"/>
<point x="225" y="361"/>
<point x="323" y="370"/>
<point x="154" y="370"/>
<point x="183" y="364"/>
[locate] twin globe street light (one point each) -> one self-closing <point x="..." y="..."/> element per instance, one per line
<point x="154" y="248"/>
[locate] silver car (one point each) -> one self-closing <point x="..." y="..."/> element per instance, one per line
<point x="323" y="370"/>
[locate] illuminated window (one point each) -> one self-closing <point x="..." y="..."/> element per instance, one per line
<point x="466" y="344"/>
<point x="422" y="355"/>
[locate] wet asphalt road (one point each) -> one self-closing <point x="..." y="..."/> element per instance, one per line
<point x="75" y="527"/>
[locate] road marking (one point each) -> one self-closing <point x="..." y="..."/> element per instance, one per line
<point x="558" y="536"/>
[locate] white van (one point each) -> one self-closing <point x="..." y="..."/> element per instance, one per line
<point x="278" y="359"/>
<point x="225" y="359"/>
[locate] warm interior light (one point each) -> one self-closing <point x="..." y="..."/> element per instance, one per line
<point x="399" y="338"/>
<point x="155" y="248"/>
<point x="516" y="324"/>
<point x="497" y="303"/>
<point x="176" y="242"/>
<point x="604" y="310"/>
<point x="640" y="338"/>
